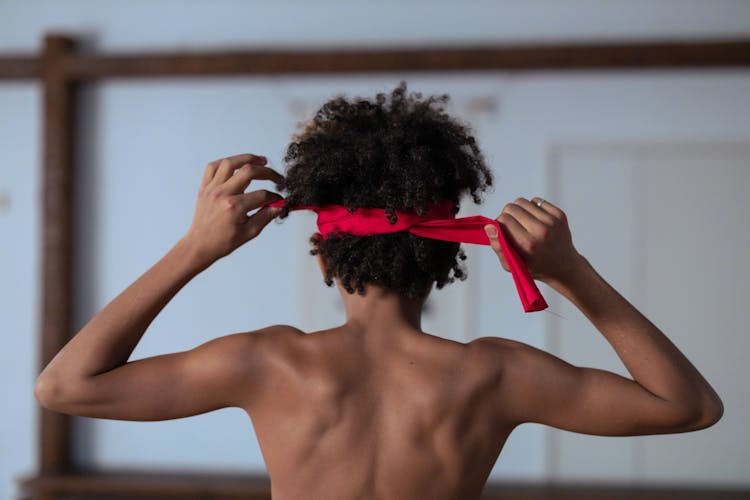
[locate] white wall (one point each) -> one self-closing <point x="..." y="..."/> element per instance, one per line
<point x="167" y="25"/>
<point x="19" y="278"/>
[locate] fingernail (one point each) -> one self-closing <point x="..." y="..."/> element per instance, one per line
<point x="491" y="231"/>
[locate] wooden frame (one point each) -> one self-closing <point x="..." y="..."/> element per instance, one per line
<point x="61" y="68"/>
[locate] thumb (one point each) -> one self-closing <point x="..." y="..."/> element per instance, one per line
<point x="259" y="220"/>
<point x="491" y="231"/>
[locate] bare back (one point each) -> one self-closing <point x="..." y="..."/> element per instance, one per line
<point x="340" y="420"/>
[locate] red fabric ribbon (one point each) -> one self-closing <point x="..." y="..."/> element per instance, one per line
<point x="439" y="223"/>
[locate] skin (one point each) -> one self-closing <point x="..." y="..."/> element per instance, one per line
<point x="375" y="408"/>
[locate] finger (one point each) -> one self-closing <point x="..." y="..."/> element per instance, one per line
<point x="256" y="199"/>
<point x="534" y="210"/>
<point x="266" y="173"/>
<point x="532" y="225"/>
<point x="549" y="208"/>
<point x="209" y="173"/>
<point x="238" y="182"/>
<point x="491" y="231"/>
<point x="515" y="231"/>
<point x="227" y="166"/>
<point x="258" y="221"/>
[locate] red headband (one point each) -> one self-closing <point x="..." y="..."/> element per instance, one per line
<point x="439" y="223"/>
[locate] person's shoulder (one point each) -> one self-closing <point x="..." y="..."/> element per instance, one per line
<point x="274" y="336"/>
<point x="280" y="331"/>
<point x="500" y="344"/>
<point x="273" y="342"/>
<point x="491" y="346"/>
<point x="515" y="360"/>
<point x="496" y="352"/>
<point x="260" y="340"/>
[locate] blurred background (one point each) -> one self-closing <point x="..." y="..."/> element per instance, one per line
<point x="651" y="166"/>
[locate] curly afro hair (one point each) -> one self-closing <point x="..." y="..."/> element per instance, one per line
<point x="398" y="152"/>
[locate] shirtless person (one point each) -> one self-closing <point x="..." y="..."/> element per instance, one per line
<point x="376" y="408"/>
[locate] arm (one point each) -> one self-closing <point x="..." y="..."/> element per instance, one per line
<point x="91" y="375"/>
<point x="667" y="393"/>
<point x="223" y="372"/>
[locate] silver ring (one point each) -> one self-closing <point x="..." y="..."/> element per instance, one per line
<point x="539" y="203"/>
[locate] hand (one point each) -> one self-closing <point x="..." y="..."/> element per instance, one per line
<point x="540" y="235"/>
<point x="221" y="224"/>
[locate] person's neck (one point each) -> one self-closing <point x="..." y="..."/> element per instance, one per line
<point x="381" y="312"/>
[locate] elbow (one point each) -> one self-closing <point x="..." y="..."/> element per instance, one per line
<point x="48" y="393"/>
<point x="43" y="391"/>
<point x="712" y="409"/>
<point x="713" y="413"/>
<point x="706" y="415"/>
<point x="62" y="394"/>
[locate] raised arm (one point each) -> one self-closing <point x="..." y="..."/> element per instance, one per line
<point x="667" y="393"/>
<point x="91" y="374"/>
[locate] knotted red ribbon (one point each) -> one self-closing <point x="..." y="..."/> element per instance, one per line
<point x="439" y="223"/>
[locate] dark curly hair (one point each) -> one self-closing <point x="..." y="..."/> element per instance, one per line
<point x="397" y="153"/>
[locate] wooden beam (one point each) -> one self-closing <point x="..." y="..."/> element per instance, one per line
<point x="57" y="254"/>
<point x="18" y="67"/>
<point x="135" y="484"/>
<point x="527" y="58"/>
<point x="533" y="57"/>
